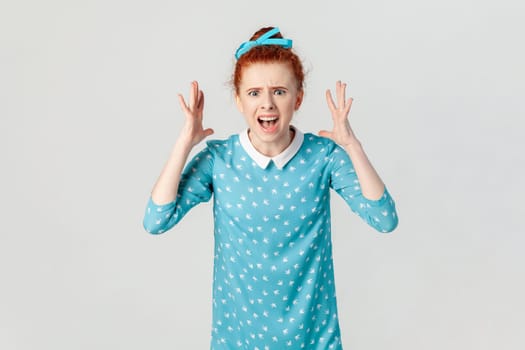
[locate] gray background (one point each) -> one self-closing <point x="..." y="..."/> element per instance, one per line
<point x="89" y="113"/>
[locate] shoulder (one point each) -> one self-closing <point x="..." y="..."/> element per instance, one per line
<point x="223" y="147"/>
<point x="321" y="149"/>
<point x="319" y="144"/>
<point x="217" y="144"/>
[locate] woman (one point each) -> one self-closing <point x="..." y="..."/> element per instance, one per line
<point x="273" y="274"/>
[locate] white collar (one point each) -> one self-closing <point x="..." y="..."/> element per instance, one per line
<point x="279" y="160"/>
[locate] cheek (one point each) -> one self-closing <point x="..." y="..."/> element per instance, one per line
<point x="293" y="105"/>
<point x="252" y="105"/>
<point x="243" y="106"/>
<point x="246" y="108"/>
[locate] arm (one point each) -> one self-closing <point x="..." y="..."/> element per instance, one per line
<point x="370" y="199"/>
<point x="166" y="187"/>
<point x="195" y="186"/>
<point x="171" y="196"/>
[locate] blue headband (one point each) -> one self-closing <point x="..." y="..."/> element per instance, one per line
<point x="263" y="40"/>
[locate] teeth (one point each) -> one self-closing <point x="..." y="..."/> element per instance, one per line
<point x="268" y="119"/>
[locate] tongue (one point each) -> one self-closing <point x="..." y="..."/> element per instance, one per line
<point x="268" y="125"/>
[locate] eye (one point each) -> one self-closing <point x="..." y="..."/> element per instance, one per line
<point x="279" y="92"/>
<point x="253" y="93"/>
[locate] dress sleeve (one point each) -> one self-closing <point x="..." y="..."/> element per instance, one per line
<point x="380" y="214"/>
<point x="196" y="186"/>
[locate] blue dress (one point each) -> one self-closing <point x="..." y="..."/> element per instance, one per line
<point x="273" y="284"/>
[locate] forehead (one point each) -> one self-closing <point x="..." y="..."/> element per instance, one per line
<point x="268" y="74"/>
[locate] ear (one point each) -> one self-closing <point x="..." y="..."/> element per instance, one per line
<point x="299" y="100"/>
<point x="239" y="103"/>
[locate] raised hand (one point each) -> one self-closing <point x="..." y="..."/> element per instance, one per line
<point x="193" y="131"/>
<point x="341" y="133"/>
<point x="166" y="187"/>
<point x="371" y="184"/>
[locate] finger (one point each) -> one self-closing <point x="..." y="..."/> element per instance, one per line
<point x="200" y="100"/>
<point x="338" y="92"/>
<point x="193" y="94"/>
<point x="325" y="133"/>
<point x="330" y="100"/>
<point x="348" y="104"/>
<point x="208" y="132"/>
<point x="341" y="94"/>
<point x="182" y="103"/>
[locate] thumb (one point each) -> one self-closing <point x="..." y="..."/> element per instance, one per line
<point x="208" y="132"/>
<point x="325" y="133"/>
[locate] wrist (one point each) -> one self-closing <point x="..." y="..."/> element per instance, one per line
<point x="351" y="141"/>
<point x="353" y="144"/>
<point x="183" y="144"/>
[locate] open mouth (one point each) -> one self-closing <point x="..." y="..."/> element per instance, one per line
<point x="268" y="122"/>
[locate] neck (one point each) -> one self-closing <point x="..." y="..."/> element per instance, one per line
<point x="275" y="148"/>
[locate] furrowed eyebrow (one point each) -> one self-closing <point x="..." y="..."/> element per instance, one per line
<point x="257" y="88"/>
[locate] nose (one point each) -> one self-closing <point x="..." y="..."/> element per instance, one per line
<point x="267" y="102"/>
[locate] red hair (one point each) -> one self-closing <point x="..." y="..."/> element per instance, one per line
<point x="268" y="54"/>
